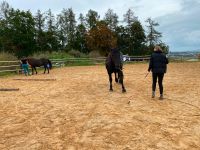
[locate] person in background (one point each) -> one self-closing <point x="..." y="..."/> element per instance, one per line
<point x="24" y="63"/>
<point x="158" y="66"/>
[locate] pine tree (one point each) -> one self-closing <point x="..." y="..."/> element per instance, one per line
<point x="92" y="18"/>
<point x="111" y="19"/>
<point x="153" y="36"/>
<point x="40" y="33"/>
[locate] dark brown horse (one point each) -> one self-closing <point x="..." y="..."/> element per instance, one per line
<point x="114" y="65"/>
<point x="33" y="62"/>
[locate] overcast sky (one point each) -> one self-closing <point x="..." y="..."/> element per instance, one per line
<point x="179" y="19"/>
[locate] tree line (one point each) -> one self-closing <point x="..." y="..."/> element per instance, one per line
<point x="23" y="33"/>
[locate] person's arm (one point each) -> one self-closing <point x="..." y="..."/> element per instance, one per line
<point x="166" y="60"/>
<point x="150" y="64"/>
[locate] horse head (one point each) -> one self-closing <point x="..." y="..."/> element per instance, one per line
<point x="116" y="58"/>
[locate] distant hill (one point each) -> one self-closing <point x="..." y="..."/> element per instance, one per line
<point x="189" y="51"/>
<point x="195" y="52"/>
<point x="185" y="55"/>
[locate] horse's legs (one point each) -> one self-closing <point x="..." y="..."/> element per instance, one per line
<point x="35" y="70"/>
<point x="110" y="79"/>
<point x="123" y="88"/>
<point x="45" y="68"/>
<point x="32" y="70"/>
<point x="121" y="81"/>
<point x="116" y="78"/>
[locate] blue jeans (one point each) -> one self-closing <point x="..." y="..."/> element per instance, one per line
<point x="25" y="68"/>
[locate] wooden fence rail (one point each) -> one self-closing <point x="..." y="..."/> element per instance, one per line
<point x="14" y="66"/>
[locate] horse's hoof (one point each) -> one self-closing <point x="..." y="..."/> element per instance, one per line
<point x="123" y="91"/>
<point x="111" y="90"/>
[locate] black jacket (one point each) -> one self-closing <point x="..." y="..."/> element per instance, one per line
<point x="158" y="62"/>
<point x="24" y="61"/>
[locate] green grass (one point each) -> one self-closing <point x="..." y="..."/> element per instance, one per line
<point x="53" y="55"/>
<point x="7" y="74"/>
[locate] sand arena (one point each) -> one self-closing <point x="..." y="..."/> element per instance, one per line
<point x="77" y="111"/>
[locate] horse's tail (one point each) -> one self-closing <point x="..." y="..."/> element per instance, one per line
<point x="50" y="64"/>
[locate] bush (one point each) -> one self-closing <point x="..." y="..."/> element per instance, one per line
<point x="41" y="55"/>
<point x="52" y="55"/>
<point x="7" y="57"/>
<point x="94" y="54"/>
<point x="76" y="53"/>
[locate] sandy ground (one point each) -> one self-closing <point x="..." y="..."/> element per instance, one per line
<point x="77" y="111"/>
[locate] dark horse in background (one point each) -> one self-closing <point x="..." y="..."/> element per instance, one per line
<point x="33" y="62"/>
<point x="114" y="65"/>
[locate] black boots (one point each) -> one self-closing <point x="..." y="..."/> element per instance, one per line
<point x="160" y="98"/>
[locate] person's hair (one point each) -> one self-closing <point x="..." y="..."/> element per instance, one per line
<point x="157" y="48"/>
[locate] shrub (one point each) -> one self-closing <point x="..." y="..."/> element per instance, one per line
<point x="76" y="53"/>
<point x="95" y="54"/>
<point x="7" y="57"/>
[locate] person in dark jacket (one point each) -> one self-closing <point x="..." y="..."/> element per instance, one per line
<point x="158" y="66"/>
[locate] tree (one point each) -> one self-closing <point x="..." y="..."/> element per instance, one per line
<point x="67" y="27"/>
<point x="71" y="28"/>
<point x="80" y="39"/>
<point x="101" y="38"/>
<point x="62" y="28"/>
<point x="122" y="39"/>
<point x="19" y="33"/>
<point x="51" y="34"/>
<point x="153" y="36"/>
<point x="111" y="19"/>
<point x="22" y="34"/>
<point x="92" y="18"/>
<point x="4" y="10"/>
<point x="80" y="36"/>
<point x="4" y="13"/>
<point x="82" y="19"/>
<point x="40" y="33"/>
<point x="129" y="17"/>
<point x="138" y="37"/>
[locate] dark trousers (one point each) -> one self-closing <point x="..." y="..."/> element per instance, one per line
<point x="158" y="76"/>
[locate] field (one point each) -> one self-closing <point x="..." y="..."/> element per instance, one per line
<point x="77" y="111"/>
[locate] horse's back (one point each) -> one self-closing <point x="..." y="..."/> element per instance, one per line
<point x="35" y="62"/>
<point x="44" y="59"/>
